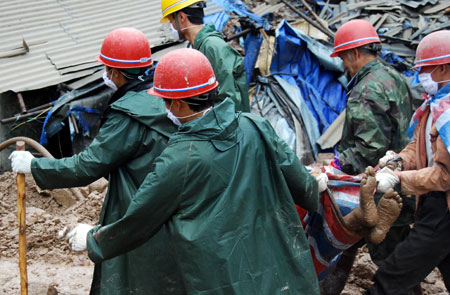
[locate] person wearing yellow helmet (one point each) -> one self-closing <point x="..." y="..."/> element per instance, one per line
<point x="186" y="21"/>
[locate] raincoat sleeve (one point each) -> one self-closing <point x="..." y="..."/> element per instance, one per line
<point x="229" y="74"/>
<point x="116" y="142"/>
<point x="153" y="204"/>
<point x="303" y="186"/>
<point x="370" y="125"/>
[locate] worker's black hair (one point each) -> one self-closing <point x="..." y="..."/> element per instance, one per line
<point x="135" y="73"/>
<point x="202" y="101"/>
<point x="199" y="102"/>
<point x="195" y="13"/>
<point x="370" y="49"/>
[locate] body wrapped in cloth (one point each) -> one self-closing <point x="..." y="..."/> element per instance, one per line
<point x="325" y="229"/>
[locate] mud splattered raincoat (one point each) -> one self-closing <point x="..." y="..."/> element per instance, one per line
<point x="225" y="189"/>
<point x="228" y="66"/>
<point x="378" y="113"/>
<point x="135" y="132"/>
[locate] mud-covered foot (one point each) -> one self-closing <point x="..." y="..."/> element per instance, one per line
<point x="389" y="209"/>
<point x="366" y="200"/>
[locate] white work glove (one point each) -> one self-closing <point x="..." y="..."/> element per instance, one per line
<point x="322" y="180"/>
<point x="386" y="179"/>
<point x="77" y="236"/>
<point x="21" y="161"/>
<point x="387" y="160"/>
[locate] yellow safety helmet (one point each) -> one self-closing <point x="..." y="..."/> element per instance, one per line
<point x="170" y="6"/>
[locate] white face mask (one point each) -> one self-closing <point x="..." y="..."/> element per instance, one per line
<point x="108" y="81"/>
<point x="176" y="120"/>
<point x="172" y="117"/>
<point x="427" y="83"/>
<point x="177" y="36"/>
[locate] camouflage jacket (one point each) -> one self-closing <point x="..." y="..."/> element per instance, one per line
<point x="377" y="116"/>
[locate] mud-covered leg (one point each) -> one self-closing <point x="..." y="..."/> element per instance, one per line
<point x="389" y="209"/>
<point x="366" y="200"/>
<point x="365" y="215"/>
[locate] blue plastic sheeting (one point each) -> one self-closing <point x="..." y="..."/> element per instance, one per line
<point x="252" y="46"/>
<point x="86" y="119"/>
<point x="218" y="19"/>
<point x="397" y="62"/>
<point x="242" y="10"/>
<point x="309" y="121"/>
<point x="306" y="63"/>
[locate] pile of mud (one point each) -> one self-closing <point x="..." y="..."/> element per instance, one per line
<point x="50" y="260"/>
<point x="54" y="269"/>
<point x="363" y="270"/>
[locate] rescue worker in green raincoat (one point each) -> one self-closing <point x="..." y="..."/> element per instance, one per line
<point x="186" y="23"/>
<point x="224" y="190"/>
<point x="135" y="131"/>
<point x="378" y="113"/>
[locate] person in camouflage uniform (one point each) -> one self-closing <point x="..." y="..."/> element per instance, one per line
<point x="379" y="105"/>
<point x="378" y="112"/>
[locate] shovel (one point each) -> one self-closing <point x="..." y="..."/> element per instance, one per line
<point x="20" y="146"/>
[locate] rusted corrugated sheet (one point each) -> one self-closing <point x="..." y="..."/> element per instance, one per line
<point x="46" y="42"/>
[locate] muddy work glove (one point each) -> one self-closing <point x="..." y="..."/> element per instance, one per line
<point x="386" y="179"/>
<point x="21" y="161"/>
<point x="391" y="160"/>
<point x="76" y="236"/>
<point x="322" y="180"/>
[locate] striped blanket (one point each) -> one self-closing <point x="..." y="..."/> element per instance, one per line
<point x="325" y="232"/>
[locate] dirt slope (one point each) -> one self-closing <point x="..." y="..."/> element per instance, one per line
<point x="54" y="269"/>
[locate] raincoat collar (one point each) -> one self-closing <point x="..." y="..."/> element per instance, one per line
<point x="133" y="85"/>
<point x="207" y="30"/>
<point x="219" y="125"/>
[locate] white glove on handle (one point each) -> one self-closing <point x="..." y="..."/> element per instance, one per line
<point x="386" y="179"/>
<point x="77" y="236"/>
<point x="21" y="161"/>
<point x="322" y="179"/>
<point x="390" y="155"/>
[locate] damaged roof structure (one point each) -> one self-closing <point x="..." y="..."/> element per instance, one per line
<point x="47" y="42"/>
<point x="286" y="46"/>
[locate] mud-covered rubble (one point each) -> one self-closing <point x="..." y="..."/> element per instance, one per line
<point x="54" y="269"/>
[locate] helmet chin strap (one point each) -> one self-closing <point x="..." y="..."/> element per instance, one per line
<point x="182" y="38"/>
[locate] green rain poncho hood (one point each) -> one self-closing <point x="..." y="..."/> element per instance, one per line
<point x="135" y="132"/>
<point x="224" y="190"/>
<point x="228" y="66"/>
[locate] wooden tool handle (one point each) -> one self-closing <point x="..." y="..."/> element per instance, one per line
<point x="20" y="146"/>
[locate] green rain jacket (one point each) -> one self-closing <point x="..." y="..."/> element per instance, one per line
<point x="135" y="132"/>
<point x="225" y="189"/>
<point x="378" y="113"/>
<point x="228" y="66"/>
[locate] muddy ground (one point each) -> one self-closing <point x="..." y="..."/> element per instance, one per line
<point x="54" y="269"/>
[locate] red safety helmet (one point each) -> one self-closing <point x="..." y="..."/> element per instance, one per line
<point x="353" y="34"/>
<point x="434" y="49"/>
<point x="125" y="48"/>
<point x="183" y="73"/>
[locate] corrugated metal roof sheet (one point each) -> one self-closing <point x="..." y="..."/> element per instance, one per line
<point x="63" y="37"/>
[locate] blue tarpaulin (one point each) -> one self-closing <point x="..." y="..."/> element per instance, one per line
<point x="242" y="10"/>
<point x="218" y="19"/>
<point x="306" y="64"/>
